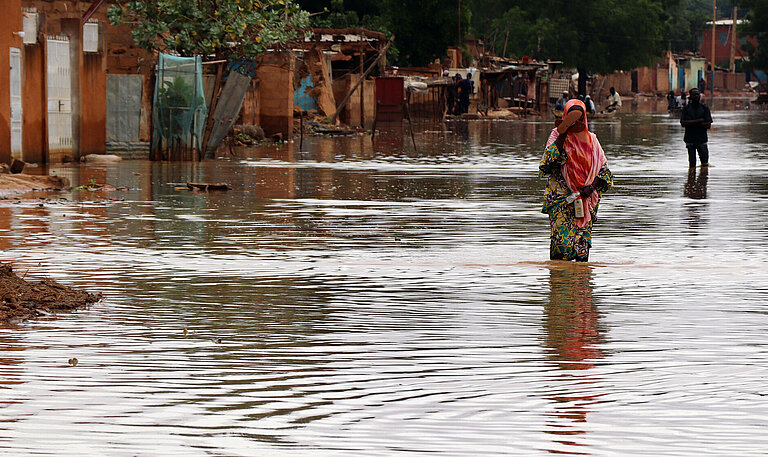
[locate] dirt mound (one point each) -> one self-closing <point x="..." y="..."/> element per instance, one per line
<point x="20" y="299"/>
<point x="20" y="183"/>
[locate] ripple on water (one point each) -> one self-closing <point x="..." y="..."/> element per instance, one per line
<point x="365" y="301"/>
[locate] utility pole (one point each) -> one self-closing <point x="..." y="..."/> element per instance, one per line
<point x="459" y="25"/>
<point x="734" y="39"/>
<point x="712" y="72"/>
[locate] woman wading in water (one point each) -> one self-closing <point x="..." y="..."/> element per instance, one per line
<point x="578" y="175"/>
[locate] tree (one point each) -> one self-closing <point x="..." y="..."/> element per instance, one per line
<point x="591" y="35"/>
<point x="684" y="22"/>
<point x="365" y="15"/>
<point x="756" y="24"/>
<point x="426" y="28"/>
<point x="221" y="28"/>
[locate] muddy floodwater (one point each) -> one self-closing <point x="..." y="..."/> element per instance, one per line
<point x="356" y="300"/>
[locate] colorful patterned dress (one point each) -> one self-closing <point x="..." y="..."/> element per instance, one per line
<point x="567" y="240"/>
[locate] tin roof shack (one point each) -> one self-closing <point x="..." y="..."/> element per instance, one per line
<point x="424" y="90"/>
<point x="329" y="64"/>
<point x="426" y="98"/>
<point x="521" y="85"/>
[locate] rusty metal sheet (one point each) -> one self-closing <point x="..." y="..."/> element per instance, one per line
<point x="228" y="107"/>
<point x="123" y="108"/>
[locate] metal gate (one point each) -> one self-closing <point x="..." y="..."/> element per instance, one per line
<point x="16" y="103"/>
<point x="59" y="97"/>
<point x="123" y="108"/>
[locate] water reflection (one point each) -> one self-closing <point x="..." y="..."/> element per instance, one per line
<point x="573" y="338"/>
<point x="696" y="185"/>
<point x="697" y="207"/>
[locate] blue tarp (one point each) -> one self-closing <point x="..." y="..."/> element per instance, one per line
<point x="301" y="97"/>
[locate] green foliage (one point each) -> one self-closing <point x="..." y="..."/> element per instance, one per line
<point x="174" y="100"/>
<point x="338" y="17"/>
<point x="684" y="23"/>
<point x="241" y="28"/>
<point x="423" y="29"/>
<point x="178" y="93"/>
<point x="599" y="35"/>
<point x="756" y="25"/>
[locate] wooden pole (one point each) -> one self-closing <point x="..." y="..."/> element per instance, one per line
<point x="712" y="72"/>
<point x="301" y="129"/>
<point x="408" y="116"/>
<point x="214" y="100"/>
<point x="504" y="52"/>
<point x="343" y="103"/>
<point x="375" y="117"/>
<point x="459" y="27"/>
<point x="362" y="90"/>
<point x="733" y="40"/>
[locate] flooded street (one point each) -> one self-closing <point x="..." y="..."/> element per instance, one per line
<point x="352" y="300"/>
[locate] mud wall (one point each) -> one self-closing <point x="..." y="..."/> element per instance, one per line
<point x="351" y="114"/>
<point x="10" y="22"/>
<point x="275" y="93"/>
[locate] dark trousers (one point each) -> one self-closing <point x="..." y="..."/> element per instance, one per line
<point x="703" y="153"/>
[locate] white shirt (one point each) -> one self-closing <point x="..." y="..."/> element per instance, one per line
<point x="614" y="98"/>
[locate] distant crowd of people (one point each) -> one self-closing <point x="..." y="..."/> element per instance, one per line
<point x="613" y="98"/>
<point x="677" y="102"/>
<point x="459" y="92"/>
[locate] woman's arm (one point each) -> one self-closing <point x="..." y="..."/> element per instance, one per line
<point x="604" y="179"/>
<point x="554" y="157"/>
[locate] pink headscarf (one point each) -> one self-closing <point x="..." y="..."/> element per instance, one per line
<point x="585" y="158"/>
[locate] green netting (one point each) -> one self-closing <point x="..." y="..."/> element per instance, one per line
<point x="179" y="105"/>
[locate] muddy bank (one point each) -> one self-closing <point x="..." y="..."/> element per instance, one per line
<point x="20" y="183"/>
<point x="21" y="299"/>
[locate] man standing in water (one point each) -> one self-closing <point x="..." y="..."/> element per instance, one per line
<point x="696" y="119"/>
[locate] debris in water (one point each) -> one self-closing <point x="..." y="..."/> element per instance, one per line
<point x="207" y="186"/>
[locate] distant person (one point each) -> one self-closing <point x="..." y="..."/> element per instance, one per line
<point x="678" y="101"/>
<point x="702" y="85"/>
<point x="696" y="119"/>
<point x="671" y="101"/>
<point x="471" y="83"/>
<point x="614" y="100"/>
<point x="450" y="95"/>
<point x="463" y="89"/>
<point x="578" y="174"/>
<point x="683" y="101"/>
<point x="560" y="102"/>
<point x="589" y="104"/>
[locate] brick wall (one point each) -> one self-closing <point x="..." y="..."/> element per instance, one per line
<point x="275" y="94"/>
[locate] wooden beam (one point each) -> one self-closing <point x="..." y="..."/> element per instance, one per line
<point x="362" y="78"/>
<point x="94" y="6"/>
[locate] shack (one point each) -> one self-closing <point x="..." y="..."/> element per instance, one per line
<point x="329" y="63"/>
<point x="520" y="84"/>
